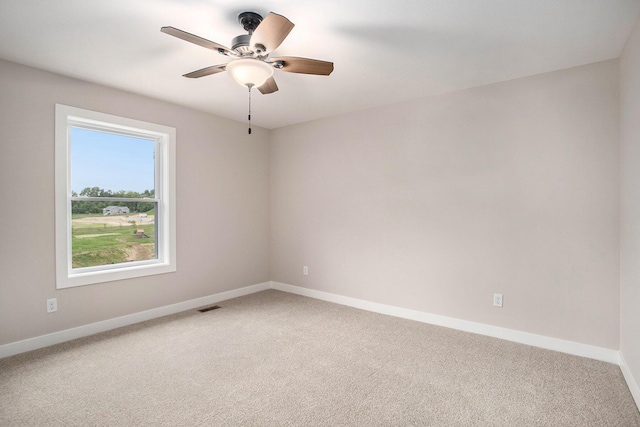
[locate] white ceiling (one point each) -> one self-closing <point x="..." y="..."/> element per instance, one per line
<point x="384" y="51"/>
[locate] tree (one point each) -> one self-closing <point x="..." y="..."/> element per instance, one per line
<point x="93" y="207"/>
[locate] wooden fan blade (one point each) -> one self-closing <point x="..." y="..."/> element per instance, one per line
<point x="191" y="38"/>
<point x="269" y="86"/>
<point x="270" y="33"/>
<point x="292" y="64"/>
<point x="206" y="71"/>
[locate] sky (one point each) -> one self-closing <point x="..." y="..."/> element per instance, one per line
<point x="111" y="162"/>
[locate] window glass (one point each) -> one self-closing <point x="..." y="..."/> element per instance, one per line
<point x="110" y="165"/>
<point x="118" y="233"/>
<point x="117" y="164"/>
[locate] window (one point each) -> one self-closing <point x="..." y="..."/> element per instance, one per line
<point x="115" y="198"/>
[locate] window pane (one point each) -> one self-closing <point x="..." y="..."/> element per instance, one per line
<point x="104" y="233"/>
<point x="111" y="165"/>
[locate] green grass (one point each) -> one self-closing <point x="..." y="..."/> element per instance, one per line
<point x="99" y="257"/>
<point x="97" y="244"/>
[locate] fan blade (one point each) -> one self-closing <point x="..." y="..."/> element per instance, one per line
<point x="269" y="86"/>
<point x="270" y="33"/>
<point x="194" y="39"/>
<point x="206" y="71"/>
<point x="292" y="64"/>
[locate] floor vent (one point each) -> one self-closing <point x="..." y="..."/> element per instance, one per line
<point x="211" y="307"/>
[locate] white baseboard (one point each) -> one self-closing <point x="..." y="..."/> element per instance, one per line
<point x="631" y="382"/>
<point x="564" y="346"/>
<point x="11" y="349"/>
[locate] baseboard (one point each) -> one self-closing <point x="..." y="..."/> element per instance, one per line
<point x="564" y="346"/>
<point x="11" y="349"/>
<point x="634" y="388"/>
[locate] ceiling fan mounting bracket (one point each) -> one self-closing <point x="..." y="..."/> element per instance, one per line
<point x="249" y="21"/>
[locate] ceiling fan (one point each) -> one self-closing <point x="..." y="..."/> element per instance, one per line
<point x="251" y="65"/>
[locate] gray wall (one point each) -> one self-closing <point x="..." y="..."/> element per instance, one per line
<point x="222" y="206"/>
<point x="630" y="206"/>
<point x="435" y="204"/>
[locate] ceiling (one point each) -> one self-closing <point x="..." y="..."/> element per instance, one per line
<point x="384" y="51"/>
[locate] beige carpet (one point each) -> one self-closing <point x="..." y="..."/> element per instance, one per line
<point x="276" y="359"/>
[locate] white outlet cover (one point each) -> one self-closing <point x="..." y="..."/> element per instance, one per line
<point x="497" y="300"/>
<point x="52" y="305"/>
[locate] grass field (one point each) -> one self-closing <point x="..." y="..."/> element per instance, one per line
<point x="109" y="242"/>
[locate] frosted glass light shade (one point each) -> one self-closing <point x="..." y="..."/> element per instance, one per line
<point x="249" y="71"/>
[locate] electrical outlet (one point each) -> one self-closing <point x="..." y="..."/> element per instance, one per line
<point x="52" y="305"/>
<point x="305" y="270"/>
<point x="497" y="300"/>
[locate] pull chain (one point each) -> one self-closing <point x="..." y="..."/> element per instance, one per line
<point x="249" y="86"/>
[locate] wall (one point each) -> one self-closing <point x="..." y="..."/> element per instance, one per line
<point x="432" y="205"/>
<point x="222" y="206"/>
<point x="630" y="209"/>
<point x="435" y="204"/>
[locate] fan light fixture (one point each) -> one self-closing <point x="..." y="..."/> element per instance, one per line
<point x="249" y="72"/>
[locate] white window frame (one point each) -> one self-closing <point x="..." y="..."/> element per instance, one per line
<point x="165" y="194"/>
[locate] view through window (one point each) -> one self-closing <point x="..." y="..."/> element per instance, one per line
<point x="113" y="202"/>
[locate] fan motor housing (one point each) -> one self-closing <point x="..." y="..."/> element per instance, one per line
<point x="241" y="43"/>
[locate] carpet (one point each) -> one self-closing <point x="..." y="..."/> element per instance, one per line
<point x="278" y="359"/>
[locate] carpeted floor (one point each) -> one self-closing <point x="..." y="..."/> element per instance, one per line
<point x="276" y="359"/>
